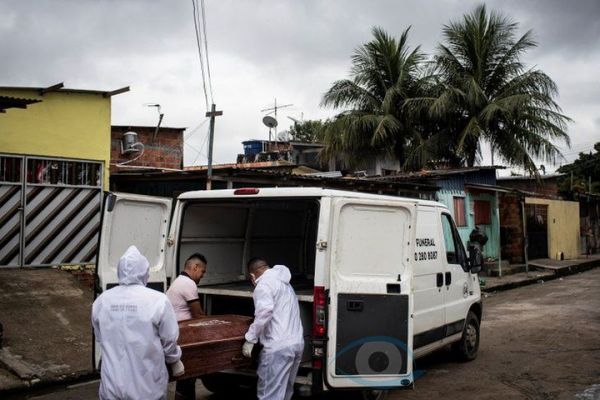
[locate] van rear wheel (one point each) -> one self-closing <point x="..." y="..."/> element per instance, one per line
<point x="466" y="349"/>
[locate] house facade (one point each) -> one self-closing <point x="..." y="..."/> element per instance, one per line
<point x="550" y="224"/>
<point x="54" y="166"/>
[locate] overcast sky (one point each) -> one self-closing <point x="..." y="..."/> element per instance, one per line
<point x="292" y="50"/>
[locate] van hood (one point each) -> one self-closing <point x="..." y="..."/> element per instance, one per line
<point x="279" y="272"/>
<point x="133" y="268"/>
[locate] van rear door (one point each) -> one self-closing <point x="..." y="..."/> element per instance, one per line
<point x="130" y="219"/>
<point x="370" y="328"/>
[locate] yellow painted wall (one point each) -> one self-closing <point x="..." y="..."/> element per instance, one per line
<point x="563" y="226"/>
<point x="65" y="124"/>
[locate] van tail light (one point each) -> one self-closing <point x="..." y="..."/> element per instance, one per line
<point x="319" y="304"/>
<point x="246" y="191"/>
<point x="319" y="327"/>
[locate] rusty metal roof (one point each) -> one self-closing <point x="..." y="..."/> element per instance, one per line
<point x="7" y="102"/>
<point x="434" y="173"/>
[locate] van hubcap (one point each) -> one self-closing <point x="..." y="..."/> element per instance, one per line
<point x="471" y="336"/>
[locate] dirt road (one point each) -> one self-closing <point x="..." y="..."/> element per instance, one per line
<point x="538" y="342"/>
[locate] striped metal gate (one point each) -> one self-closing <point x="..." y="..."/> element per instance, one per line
<point x="49" y="211"/>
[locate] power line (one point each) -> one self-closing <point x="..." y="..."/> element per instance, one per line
<point x="199" y="152"/>
<point x="194" y="130"/>
<point x="199" y="46"/>
<point x="205" y="37"/>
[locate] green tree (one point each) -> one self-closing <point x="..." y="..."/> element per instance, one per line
<point x="585" y="168"/>
<point x="385" y="73"/>
<point x="307" y="131"/>
<point x="486" y="94"/>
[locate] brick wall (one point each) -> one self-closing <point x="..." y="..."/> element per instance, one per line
<point x="164" y="152"/>
<point x="546" y="187"/>
<point x="511" y="229"/>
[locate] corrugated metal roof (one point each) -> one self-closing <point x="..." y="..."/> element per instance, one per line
<point x="15" y="102"/>
<point x="529" y="178"/>
<point x="58" y="90"/>
<point x="435" y="173"/>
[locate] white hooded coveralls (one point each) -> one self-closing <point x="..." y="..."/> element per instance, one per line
<point x="278" y="326"/>
<point x="137" y="331"/>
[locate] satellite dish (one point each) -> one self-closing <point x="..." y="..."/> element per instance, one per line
<point x="269" y="121"/>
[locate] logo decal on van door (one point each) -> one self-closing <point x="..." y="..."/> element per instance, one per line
<point x="380" y="355"/>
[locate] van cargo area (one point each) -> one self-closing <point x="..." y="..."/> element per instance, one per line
<point x="231" y="232"/>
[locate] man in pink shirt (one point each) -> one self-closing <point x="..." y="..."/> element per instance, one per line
<point x="183" y="295"/>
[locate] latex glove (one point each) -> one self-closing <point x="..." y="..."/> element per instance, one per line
<point x="247" y="349"/>
<point x="177" y="369"/>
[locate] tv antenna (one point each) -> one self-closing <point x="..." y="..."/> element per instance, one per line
<point x="273" y="110"/>
<point x="160" y="118"/>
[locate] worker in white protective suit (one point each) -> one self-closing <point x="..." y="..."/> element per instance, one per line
<point x="277" y="327"/>
<point x="137" y="331"/>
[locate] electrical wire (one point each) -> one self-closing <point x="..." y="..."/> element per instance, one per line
<point x="202" y="148"/>
<point x="202" y="6"/>
<point x="194" y="130"/>
<point x="199" y="46"/>
<point x="198" y="152"/>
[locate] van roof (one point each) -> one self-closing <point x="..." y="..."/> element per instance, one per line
<point x="298" y="192"/>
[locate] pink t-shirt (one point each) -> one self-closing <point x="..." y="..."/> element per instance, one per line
<point x="182" y="290"/>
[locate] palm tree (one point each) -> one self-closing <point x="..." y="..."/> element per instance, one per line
<point x="385" y="73"/>
<point x="485" y="93"/>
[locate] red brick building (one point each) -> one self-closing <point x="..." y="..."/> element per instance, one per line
<point x="162" y="149"/>
<point x="545" y="185"/>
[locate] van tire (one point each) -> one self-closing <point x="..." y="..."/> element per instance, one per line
<point x="466" y="349"/>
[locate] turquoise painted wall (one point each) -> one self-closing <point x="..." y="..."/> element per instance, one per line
<point x="492" y="248"/>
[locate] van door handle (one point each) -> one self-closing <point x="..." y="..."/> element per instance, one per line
<point x="439" y="279"/>
<point x="354" y="305"/>
<point x="448" y="278"/>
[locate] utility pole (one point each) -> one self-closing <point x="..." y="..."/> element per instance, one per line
<point x="211" y="134"/>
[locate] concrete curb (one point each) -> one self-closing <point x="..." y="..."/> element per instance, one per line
<point x="31" y="387"/>
<point x="16" y="366"/>
<point x="558" y="273"/>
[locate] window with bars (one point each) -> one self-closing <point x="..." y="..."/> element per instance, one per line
<point x="63" y="172"/>
<point x="10" y="169"/>
<point x="460" y="214"/>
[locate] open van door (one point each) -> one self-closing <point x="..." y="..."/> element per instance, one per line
<point x="130" y="219"/>
<point x="370" y="327"/>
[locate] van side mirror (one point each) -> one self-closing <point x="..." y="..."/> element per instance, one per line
<point x="475" y="258"/>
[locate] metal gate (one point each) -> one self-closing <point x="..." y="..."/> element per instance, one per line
<point x="49" y="211"/>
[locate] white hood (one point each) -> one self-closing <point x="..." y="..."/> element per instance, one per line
<point x="279" y="272"/>
<point x="133" y="268"/>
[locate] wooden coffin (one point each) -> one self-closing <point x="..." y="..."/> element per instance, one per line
<point x="212" y="343"/>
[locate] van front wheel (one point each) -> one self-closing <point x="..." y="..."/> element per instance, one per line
<point x="466" y="348"/>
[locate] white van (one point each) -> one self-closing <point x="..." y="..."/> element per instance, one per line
<point x="381" y="280"/>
